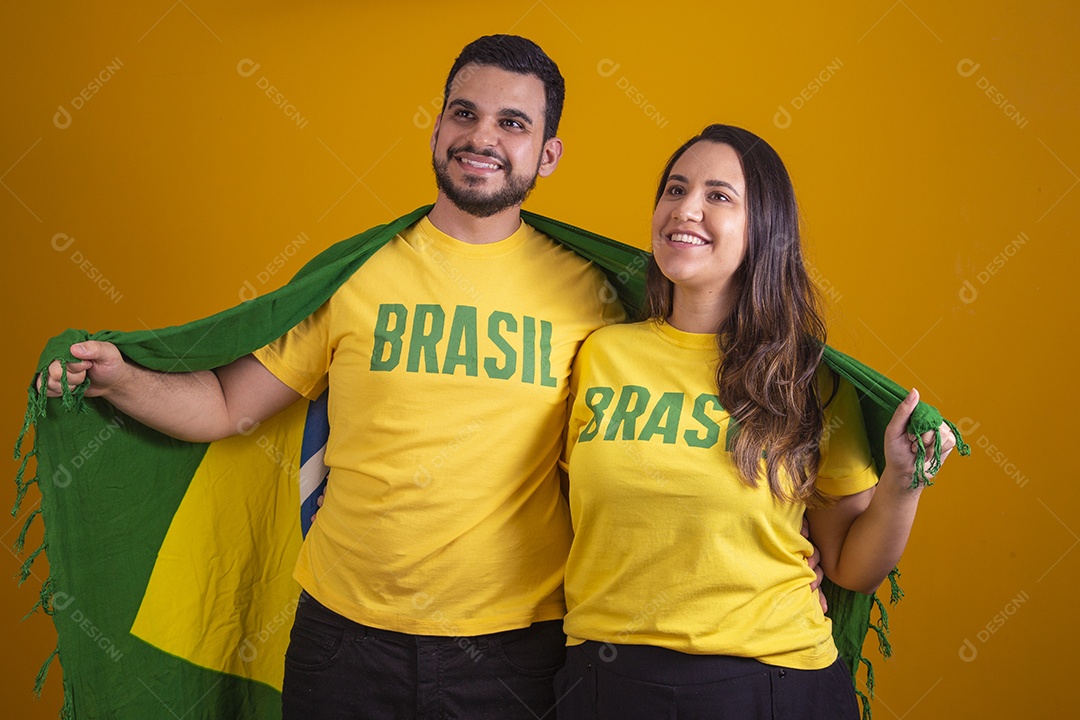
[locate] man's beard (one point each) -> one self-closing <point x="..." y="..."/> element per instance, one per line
<point x="475" y="202"/>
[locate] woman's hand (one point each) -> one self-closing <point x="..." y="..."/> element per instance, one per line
<point x="901" y="447"/>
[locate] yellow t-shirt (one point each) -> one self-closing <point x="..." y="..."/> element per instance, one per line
<point x="448" y="366"/>
<point x="671" y="548"/>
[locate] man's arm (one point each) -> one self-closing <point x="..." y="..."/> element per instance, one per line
<point x="197" y="406"/>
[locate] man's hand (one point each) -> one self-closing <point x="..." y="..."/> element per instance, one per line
<point x="814" y="561"/>
<point x="100" y="361"/>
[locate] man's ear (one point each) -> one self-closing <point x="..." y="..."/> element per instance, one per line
<point x="549" y="157"/>
<point x="435" y="131"/>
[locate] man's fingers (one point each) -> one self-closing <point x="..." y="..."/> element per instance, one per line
<point x="50" y="379"/>
<point x="815" y="565"/>
<point x="89" y="354"/>
<point x="819" y="575"/>
<point x="78" y="367"/>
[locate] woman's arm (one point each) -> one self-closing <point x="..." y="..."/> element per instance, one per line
<point x="862" y="536"/>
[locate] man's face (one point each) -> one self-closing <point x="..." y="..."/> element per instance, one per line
<point x="488" y="143"/>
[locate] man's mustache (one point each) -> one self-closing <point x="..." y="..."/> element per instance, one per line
<point x="485" y="152"/>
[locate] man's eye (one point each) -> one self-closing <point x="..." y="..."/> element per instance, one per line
<point x="513" y="124"/>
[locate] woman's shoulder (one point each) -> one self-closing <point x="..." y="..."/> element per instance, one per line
<point x="833" y="385"/>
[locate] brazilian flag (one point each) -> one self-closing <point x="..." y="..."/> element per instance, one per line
<point x="171" y="562"/>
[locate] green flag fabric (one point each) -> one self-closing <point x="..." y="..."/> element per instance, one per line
<point x="171" y="562"/>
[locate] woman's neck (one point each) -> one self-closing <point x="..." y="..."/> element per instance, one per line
<point x="698" y="311"/>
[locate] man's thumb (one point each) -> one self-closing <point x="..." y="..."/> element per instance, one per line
<point x="90" y="350"/>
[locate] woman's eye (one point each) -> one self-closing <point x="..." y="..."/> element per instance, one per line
<point x="720" y="197"/>
<point x="675" y="190"/>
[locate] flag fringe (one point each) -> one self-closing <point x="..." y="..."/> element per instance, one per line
<point x="39" y="681"/>
<point x="922" y="473"/>
<point x="35" y="410"/>
<point x="67" y="712"/>
<point x="869" y="676"/>
<point x="44" y="599"/>
<point x="896" y="593"/>
<point x="20" y="486"/>
<point x="21" y="540"/>
<point x="961" y="447"/>
<point x="865" y="701"/>
<point x="24" y="571"/>
<point x="883" y="620"/>
<point x="72" y="400"/>
<point x="881" y="629"/>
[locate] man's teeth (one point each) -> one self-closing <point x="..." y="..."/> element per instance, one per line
<point x="478" y="164"/>
<point x="688" y="239"/>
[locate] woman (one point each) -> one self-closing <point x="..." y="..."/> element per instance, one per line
<point x="697" y="441"/>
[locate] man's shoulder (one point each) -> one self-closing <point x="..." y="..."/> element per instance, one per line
<point x="548" y="248"/>
<point x="620" y="335"/>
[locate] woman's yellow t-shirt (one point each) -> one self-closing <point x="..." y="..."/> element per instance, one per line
<point x="671" y="548"/>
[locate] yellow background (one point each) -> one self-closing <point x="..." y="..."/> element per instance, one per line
<point x="181" y="181"/>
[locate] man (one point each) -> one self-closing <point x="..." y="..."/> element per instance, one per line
<point x="432" y="583"/>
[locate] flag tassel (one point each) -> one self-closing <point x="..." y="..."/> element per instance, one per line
<point x="67" y="712"/>
<point x="35" y="410"/>
<point x="24" y="571"/>
<point x="44" y="600"/>
<point x="21" y="540"/>
<point x="896" y="593"/>
<point x="39" y="681"/>
<point x="923" y="473"/>
<point x="865" y="702"/>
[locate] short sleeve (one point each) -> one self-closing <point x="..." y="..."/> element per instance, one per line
<point x="572" y="421"/>
<point x="612" y="311"/>
<point x="301" y="357"/>
<point x="847" y="467"/>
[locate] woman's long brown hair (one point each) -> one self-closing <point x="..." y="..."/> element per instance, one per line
<point x="772" y="341"/>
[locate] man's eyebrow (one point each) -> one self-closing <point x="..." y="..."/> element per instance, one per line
<point x="462" y="103"/>
<point x="708" y="183"/>
<point x="508" y="112"/>
<point x="515" y="113"/>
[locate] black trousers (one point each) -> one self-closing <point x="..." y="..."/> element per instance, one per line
<point x="336" y="669"/>
<point x="602" y="681"/>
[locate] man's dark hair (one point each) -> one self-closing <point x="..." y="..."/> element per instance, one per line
<point x="517" y="55"/>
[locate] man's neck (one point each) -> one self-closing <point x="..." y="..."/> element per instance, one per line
<point x="471" y="229"/>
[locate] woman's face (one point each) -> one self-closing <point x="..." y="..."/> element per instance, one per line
<point x="699" y="226"/>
